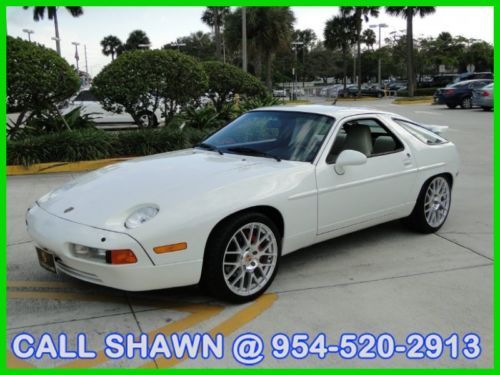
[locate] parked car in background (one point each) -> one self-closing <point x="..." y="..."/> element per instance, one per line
<point x="459" y="94"/>
<point x="91" y="106"/>
<point x="440" y="80"/>
<point x="473" y="75"/>
<point x="483" y="97"/>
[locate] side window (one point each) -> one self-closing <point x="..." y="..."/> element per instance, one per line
<point x="368" y="136"/>
<point x="422" y="134"/>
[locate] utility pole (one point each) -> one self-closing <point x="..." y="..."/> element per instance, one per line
<point x="380" y="26"/>
<point x="244" y="38"/>
<point x="294" y="70"/>
<point x="29" y="32"/>
<point x="77" y="58"/>
<point x="86" y="63"/>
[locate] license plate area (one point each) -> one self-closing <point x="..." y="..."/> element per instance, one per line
<point x="46" y="259"/>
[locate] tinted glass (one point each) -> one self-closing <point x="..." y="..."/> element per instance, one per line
<point x="286" y="135"/>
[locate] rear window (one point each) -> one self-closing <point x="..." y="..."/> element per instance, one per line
<point x="422" y="134"/>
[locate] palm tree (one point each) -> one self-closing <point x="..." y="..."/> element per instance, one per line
<point x="359" y="14"/>
<point x="340" y="33"/>
<point x="214" y="17"/>
<point x="272" y="30"/>
<point x="408" y="13"/>
<point x="369" y="38"/>
<point x="111" y="46"/>
<point x="137" y="40"/>
<point x="39" y="13"/>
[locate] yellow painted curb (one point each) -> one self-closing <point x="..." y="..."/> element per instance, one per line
<point x="59" y="167"/>
<point x="416" y="101"/>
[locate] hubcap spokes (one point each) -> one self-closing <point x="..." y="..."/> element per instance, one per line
<point x="437" y="202"/>
<point x="250" y="259"/>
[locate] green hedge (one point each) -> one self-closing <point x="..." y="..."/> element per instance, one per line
<point x="424" y="91"/>
<point x="92" y="144"/>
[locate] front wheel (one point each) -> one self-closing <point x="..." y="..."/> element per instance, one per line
<point x="451" y="106"/>
<point x="432" y="206"/>
<point x="242" y="257"/>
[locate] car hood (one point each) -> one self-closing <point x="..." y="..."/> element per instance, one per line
<point x="106" y="197"/>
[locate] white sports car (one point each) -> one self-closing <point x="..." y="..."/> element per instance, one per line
<point x="221" y="214"/>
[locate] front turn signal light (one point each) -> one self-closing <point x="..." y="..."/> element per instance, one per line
<point x="170" y="248"/>
<point x="126" y="256"/>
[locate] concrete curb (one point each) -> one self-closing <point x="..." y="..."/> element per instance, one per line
<point x="417" y="101"/>
<point x="61" y="167"/>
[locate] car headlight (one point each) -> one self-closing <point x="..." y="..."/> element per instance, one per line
<point x="140" y="216"/>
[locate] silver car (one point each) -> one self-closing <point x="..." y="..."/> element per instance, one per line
<point x="483" y="97"/>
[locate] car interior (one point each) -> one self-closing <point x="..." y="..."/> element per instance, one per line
<point x="367" y="136"/>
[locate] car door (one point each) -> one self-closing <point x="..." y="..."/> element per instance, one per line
<point x="379" y="188"/>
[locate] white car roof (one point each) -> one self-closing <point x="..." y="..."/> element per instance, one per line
<point x="335" y="111"/>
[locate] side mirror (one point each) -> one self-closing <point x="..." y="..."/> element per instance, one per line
<point x="349" y="158"/>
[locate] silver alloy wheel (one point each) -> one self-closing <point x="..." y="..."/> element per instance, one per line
<point x="437" y="202"/>
<point x="467" y="102"/>
<point x="250" y="259"/>
<point x="145" y="120"/>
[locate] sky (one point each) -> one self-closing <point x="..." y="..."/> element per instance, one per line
<point x="166" y="24"/>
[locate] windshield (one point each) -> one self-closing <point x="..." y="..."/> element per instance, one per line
<point x="280" y="135"/>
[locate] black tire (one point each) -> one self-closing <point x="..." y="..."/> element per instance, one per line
<point x="212" y="278"/>
<point x="379" y="95"/>
<point x="486" y="109"/>
<point x="451" y="106"/>
<point x="466" y="102"/>
<point x="147" y="119"/>
<point x="417" y="219"/>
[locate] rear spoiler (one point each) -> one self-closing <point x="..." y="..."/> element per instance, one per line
<point x="438" y="129"/>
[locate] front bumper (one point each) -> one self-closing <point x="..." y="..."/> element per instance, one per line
<point x="56" y="235"/>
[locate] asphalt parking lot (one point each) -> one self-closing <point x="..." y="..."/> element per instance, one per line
<point x="383" y="279"/>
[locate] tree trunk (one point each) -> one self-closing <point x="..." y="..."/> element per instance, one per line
<point x="258" y="64"/>
<point x="409" y="45"/>
<point x="359" y="60"/>
<point x="58" y="41"/>
<point x="217" y="33"/>
<point x="345" y="71"/>
<point x="269" y="70"/>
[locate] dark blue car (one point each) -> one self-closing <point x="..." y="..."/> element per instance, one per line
<point x="459" y="94"/>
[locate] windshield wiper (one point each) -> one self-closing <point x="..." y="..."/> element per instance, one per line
<point x="252" y="151"/>
<point x="210" y="147"/>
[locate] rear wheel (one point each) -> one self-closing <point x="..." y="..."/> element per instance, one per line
<point x="242" y="258"/>
<point x="452" y="106"/>
<point x="147" y="119"/>
<point x="466" y="102"/>
<point x="486" y="109"/>
<point x="432" y="207"/>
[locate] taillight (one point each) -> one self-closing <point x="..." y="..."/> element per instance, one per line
<point x="448" y="91"/>
<point x="485" y="93"/>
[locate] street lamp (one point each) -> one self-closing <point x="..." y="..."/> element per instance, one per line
<point x="57" y="40"/>
<point x="29" y="32"/>
<point x="294" y="70"/>
<point x="380" y="26"/>
<point x="76" y="55"/>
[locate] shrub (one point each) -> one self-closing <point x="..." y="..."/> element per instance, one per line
<point x="422" y="91"/>
<point x="205" y="117"/>
<point x="91" y="144"/>
<point x="49" y="122"/>
<point x="141" y="80"/>
<point x="37" y="79"/>
<point x="224" y="81"/>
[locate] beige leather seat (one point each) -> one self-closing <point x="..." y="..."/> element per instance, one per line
<point x="384" y="144"/>
<point x="358" y="138"/>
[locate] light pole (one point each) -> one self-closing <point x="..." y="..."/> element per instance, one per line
<point x="294" y="70"/>
<point x="76" y="44"/>
<point x="57" y="40"/>
<point x="244" y="38"/>
<point x="380" y="26"/>
<point x="29" y="32"/>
